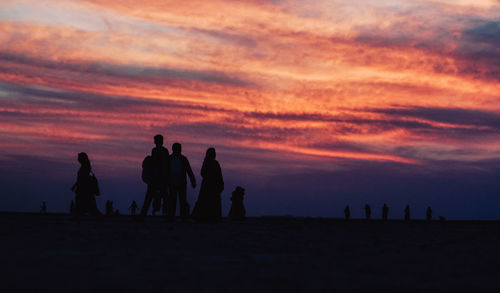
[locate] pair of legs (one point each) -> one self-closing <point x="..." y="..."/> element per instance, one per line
<point x="152" y="193"/>
<point x="178" y="191"/>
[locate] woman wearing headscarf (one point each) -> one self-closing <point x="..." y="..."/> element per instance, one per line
<point x="85" y="188"/>
<point x="208" y="206"/>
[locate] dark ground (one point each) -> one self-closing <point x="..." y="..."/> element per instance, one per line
<point x="51" y="253"/>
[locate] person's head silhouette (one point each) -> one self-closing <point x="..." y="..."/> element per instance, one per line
<point x="210" y="155"/>
<point x="177" y="148"/>
<point x="159" y="140"/>
<point x="83" y="159"/>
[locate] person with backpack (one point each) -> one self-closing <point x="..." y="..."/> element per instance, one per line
<point x="179" y="168"/>
<point x="85" y="188"/>
<point x="155" y="170"/>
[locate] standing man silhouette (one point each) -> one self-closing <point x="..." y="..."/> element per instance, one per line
<point x="158" y="170"/>
<point x="407" y="213"/>
<point x="385" y="212"/>
<point x="368" y="212"/>
<point x="179" y="168"/>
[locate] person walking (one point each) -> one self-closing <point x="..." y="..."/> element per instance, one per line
<point x="85" y="189"/>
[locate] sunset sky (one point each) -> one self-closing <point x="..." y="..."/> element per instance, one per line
<point x="311" y="105"/>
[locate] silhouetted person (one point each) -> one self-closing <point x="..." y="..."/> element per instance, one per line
<point x="133" y="207"/>
<point x="237" y="211"/>
<point x="43" y="208"/>
<point x="117" y="212"/>
<point x="347" y="212"/>
<point x="155" y="175"/>
<point x="428" y="213"/>
<point x="208" y="205"/>
<point x="179" y="169"/>
<point x="72" y="207"/>
<point x="385" y="212"/>
<point x="368" y="212"/>
<point x="85" y="189"/>
<point x="109" y="208"/>
<point x="407" y="213"/>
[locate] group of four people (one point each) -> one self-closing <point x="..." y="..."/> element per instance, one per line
<point x="165" y="175"/>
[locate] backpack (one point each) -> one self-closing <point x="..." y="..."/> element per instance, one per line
<point x="147" y="166"/>
<point x="94" y="184"/>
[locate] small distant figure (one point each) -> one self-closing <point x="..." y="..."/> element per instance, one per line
<point x="109" y="208"/>
<point x="133" y="208"/>
<point x="442" y="219"/>
<point x="72" y="207"/>
<point x="368" y="212"/>
<point x="43" y="208"/>
<point x="428" y="214"/>
<point x="117" y="212"/>
<point x="237" y="211"/>
<point x="347" y="213"/>
<point x="407" y="213"/>
<point x="385" y="212"/>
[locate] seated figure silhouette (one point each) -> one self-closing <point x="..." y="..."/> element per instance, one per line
<point x="85" y="189"/>
<point x="347" y="212"/>
<point x="155" y="175"/>
<point x="133" y="208"/>
<point x="208" y="205"/>
<point x="237" y="211"/>
<point x="407" y="213"/>
<point x="428" y="215"/>
<point x="72" y="207"/>
<point x="179" y="169"/>
<point x="368" y="212"/>
<point x="385" y="212"/>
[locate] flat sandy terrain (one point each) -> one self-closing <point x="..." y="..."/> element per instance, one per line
<point x="51" y="253"/>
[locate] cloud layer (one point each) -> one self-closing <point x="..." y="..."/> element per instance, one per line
<point x="277" y="86"/>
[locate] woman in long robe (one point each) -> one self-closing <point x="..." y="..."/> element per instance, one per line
<point x="85" y="198"/>
<point x="208" y="206"/>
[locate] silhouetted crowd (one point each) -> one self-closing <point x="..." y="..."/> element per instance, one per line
<point x="166" y="178"/>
